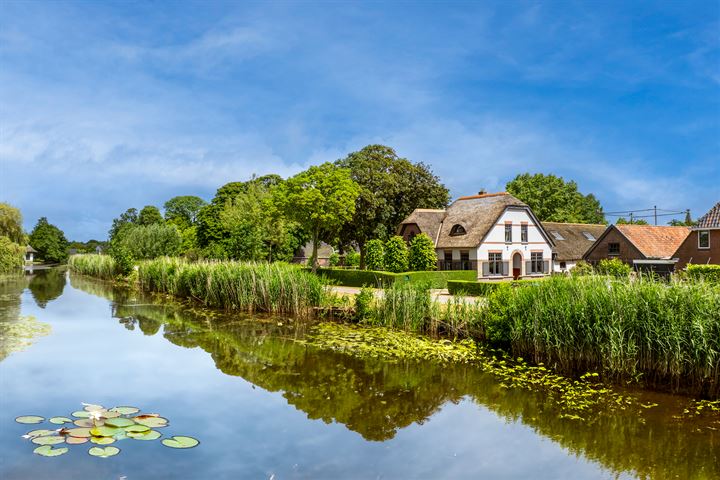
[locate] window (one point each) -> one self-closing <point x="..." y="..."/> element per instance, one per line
<point x="557" y="235"/>
<point x="457" y="230"/>
<point x="704" y="239"/>
<point x="508" y="233"/>
<point x="524" y="233"/>
<point x="589" y="236"/>
<point x="536" y="262"/>
<point x="495" y="262"/>
<point x="613" y="248"/>
<point x="465" y="260"/>
<point x="563" y="265"/>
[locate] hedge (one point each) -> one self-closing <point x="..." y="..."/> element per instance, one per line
<point x="709" y="273"/>
<point x="370" y="278"/>
<point x="483" y="289"/>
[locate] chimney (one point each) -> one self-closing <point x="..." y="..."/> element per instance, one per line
<point x="482" y="191"/>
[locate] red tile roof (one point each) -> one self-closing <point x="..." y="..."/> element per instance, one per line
<point x="654" y="241"/>
<point x="711" y="219"/>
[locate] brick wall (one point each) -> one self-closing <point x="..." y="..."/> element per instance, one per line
<point x="628" y="251"/>
<point x="689" y="252"/>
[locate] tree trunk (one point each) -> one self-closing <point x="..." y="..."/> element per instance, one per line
<point x="314" y="258"/>
<point x="361" y="246"/>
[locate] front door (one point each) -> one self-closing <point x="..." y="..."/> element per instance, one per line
<point x="517" y="264"/>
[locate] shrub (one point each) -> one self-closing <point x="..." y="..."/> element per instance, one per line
<point x="334" y="259"/>
<point x="396" y="255"/>
<point x="360" y="278"/>
<point x="498" y="324"/>
<point x="12" y="255"/>
<point x="375" y="255"/>
<point x="364" y="304"/>
<point x="581" y="268"/>
<point x="709" y="273"/>
<point x="123" y="259"/>
<point x="151" y="241"/>
<point x="352" y="259"/>
<point x="613" y="267"/>
<point x="422" y="253"/>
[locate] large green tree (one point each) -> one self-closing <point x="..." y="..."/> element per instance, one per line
<point x="391" y="187"/>
<point x="49" y="241"/>
<point x="553" y="199"/>
<point x="11" y="223"/>
<point x="183" y="210"/>
<point x="125" y="220"/>
<point x="150" y="215"/>
<point x="320" y="199"/>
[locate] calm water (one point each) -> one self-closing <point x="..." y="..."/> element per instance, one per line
<point x="264" y="405"/>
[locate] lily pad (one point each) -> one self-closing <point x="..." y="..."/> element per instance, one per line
<point x="60" y="420"/>
<point x="119" y="422"/>
<point x="103" y="452"/>
<point x="48" y="440"/>
<point x="149" y="435"/>
<point x="103" y="431"/>
<point x="39" y="433"/>
<point x="49" y="451"/>
<point x="79" y="432"/>
<point x="109" y="414"/>
<point x="93" y="408"/>
<point x="29" y="419"/>
<point x="88" y="423"/>
<point x="180" y="441"/>
<point x="102" y="440"/>
<point x="81" y="414"/>
<point x="125" y="410"/>
<point x="137" y="428"/>
<point x="75" y="440"/>
<point x="152" y="422"/>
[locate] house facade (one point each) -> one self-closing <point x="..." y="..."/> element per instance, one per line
<point x="495" y="234"/>
<point x="702" y="245"/>
<point x="644" y="247"/>
<point x="572" y="241"/>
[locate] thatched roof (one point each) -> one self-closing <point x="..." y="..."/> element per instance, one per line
<point x="653" y="241"/>
<point x="711" y="219"/>
<point x="30" y="249"/>
<point x="574" y="242"/>
<point x="427" y="220"/>
<point x="477" y="214"/>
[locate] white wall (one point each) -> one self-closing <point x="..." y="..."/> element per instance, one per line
<point x="569" y="265"/>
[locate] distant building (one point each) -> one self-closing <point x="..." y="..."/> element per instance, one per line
<point x="702" y="245"/>
<point x="494" y="234"/>
<point x="304" y="253"/>
<point x="645" y="247"/>
<point x="30" y="255"/>
<point x="572" y="241"/>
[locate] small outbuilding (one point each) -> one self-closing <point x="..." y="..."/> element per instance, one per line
<point x="30" y="255"/>
<point x="572" y="241"/>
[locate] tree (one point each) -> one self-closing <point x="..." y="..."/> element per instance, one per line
<point x="11" y="224"/>
<point x="375" y="255"/>
<point x="12" y="255"/>
<point x="688" y="222"/>
<point x="632" y="221"/>
<point x="554" y="200"/>
<point x="396" y="255"/>
<point x="422" y="253"/>
<point x="150" y="241"/>
<point x="150" y="215"/>
<point x="320" y="199"/>
<point x="390" y="189"/>
<point x="183" y="210"/>
<point x="49" y="241"/>
<point x="126" y="219"/>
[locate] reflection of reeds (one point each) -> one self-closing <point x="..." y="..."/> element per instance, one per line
<point x="254" y="287"/>
<point x="101" y="266"/>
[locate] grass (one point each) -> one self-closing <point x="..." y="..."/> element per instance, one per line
<point x="101" y="266"/>
<point x="253" y="287"/>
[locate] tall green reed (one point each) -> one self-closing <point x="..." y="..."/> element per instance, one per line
<point x="101" y="266"/>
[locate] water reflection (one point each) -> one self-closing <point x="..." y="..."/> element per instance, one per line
<point x="47" y="285"/>
<point x="376" y="399"/>
<point x="16" y="331"/>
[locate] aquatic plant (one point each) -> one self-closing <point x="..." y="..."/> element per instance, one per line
<point x="18" y="335"/>
<point x="94" y="265"/>
<point x="100" y="426"/>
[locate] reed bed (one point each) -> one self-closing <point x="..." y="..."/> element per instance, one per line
<point x="663" y="334"/>
<point x="253" y="287"/>
<point x="94" y="265"/>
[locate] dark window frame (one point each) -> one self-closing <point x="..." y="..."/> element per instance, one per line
<point x="536" y="262"/>
<point x="524" y="233"/>
<point x="508" y="233"/>
<point x="495" y="263"/>
<point x="457" y="230"/>
<point x="613" y="248"/>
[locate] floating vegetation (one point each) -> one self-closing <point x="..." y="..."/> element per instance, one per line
<point x="703" y="408"/>
<point x="576" y="398"/>
<point x="16" y="336"/>
<point x="100" y="426"/>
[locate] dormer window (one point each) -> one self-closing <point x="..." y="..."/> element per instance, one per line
<point x="457" y="230"/>
<point x="557" y="235"/>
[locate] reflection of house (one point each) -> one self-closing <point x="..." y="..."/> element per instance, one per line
<point x="572" y="240"/>
<point x="645" y="247"/>
<point x="702" y="245"/>
<point x="494" y="234"/>
<point x="30" y="255"/>
<point x="303" y="254"/>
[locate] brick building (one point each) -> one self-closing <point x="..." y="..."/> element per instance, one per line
<point x="703" y="243"/>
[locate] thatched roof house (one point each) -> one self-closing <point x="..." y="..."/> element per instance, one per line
<point x="572" y="241"/>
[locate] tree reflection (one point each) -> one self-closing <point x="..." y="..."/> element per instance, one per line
<point x="47" y="285"/>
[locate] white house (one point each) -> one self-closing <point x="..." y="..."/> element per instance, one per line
<point x="494" y="234"/>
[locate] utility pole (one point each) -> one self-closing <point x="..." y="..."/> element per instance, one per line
<point x="631" y="220"/>
<point x="655" y="209"/>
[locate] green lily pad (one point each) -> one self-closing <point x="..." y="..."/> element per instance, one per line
<point x="29" y="419"/>
<point x="103" y="452"/>
<point x="109" y="414"/>
<point x="75" y="440"/>
<point x="39" y="433"/>
<point x="60" y="420"/>
<point x="79" y="432"/>
<point x="119" y="422"/>
<point x="88" y="423"/>
<point x="151" y="421"/>
<point x="102" y="440"/>
<point x="103" y="431"/>
<point x="125" y="410"/>
<point x="137" y="428"/>
<point x="49" y="451"/>
<point x="48" y="440"/>
<point x="179" y="441"/>
<point x="149" y="435"/>
<point x="81" y="414"/>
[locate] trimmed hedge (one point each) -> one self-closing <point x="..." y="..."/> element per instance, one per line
<point x="709" y="273"/>
<point x="370" y="278"/>
<point x="483" y="289"/>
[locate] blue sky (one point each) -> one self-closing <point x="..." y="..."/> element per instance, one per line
<point x="108" y="105"/>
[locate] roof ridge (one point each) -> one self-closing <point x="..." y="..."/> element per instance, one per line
<point x="573" y="223"/>
<point x="484" y="195"/>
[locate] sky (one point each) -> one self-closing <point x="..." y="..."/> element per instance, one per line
<point x="111" y="105"/>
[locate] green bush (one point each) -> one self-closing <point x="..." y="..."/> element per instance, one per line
<point x="364" y="304"/>
<point x="422" y="253"/>
<point x="396" y="255"/>
<point x="613" y="267"/>
<point x="405" y="306"/>
<point x="375" y="255"/>
<point x="709" y="273"/>
<point x="498" y="326"/>
<point x="369" y="278"/>
<point x="352" y="259"/>
<point x="123" y="258"/>
<point x="334" y="259"/>
<point x="151" y="241"/>
<point x="12" y="255"/>
<point x="582" y="268"/>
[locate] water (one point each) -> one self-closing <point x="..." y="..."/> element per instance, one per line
<point x="265" y="406"/>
